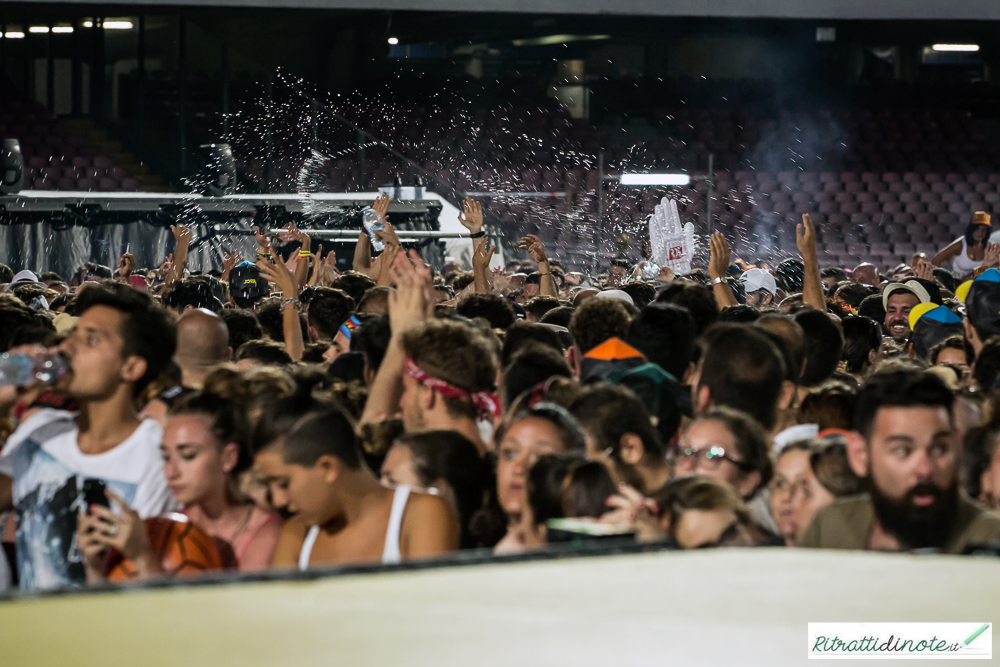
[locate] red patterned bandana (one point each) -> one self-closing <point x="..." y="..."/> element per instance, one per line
<point x="485" y="402"/>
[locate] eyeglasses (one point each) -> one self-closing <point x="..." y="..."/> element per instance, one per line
<point x="711" y="457"/>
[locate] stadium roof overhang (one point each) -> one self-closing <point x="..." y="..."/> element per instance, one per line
<point x="787" y="9"/>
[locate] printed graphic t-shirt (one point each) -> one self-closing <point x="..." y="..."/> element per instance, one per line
<point x="48" y="469"/>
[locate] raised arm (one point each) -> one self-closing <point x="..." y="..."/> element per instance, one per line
<point x="533" y="245"/>
<point x="718" y="264"/>
<point x="183" y="236"/>
<point x="409" y="305"/>
<point x="481" y="268"/>
<point x="471" y="217"/>
<point x="812" y="285"/>
<point x="389" y="254"/>
<point x="275" y="271"/>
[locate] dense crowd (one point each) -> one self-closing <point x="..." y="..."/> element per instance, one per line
<point x="279" y="414"/>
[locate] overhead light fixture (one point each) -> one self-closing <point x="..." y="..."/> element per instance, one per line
<point x="655" y="179"/>
<point x="394" y="41"/>
<point x="955" y="47"/>
<point x="117" y="25"/>
<point x="62" y="29"/>
<point x="88" y="24"/>
<point x="38" y="29"/>
<point x="16" y="34"/>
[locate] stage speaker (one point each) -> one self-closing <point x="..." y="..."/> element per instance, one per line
<point x="220" y="177"/>
<point x="12" y="168"/>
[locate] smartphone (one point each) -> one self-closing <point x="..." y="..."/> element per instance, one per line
<point x="93" y="493"/>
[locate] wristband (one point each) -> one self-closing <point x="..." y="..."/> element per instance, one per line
<point x="545" y="274"/>
<point x="305" y="253"/>
<point x="288" y="302"/>
<point x="717" y="281"/>
<point x="478" y="235"/>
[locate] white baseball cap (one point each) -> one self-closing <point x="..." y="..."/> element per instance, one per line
<point x="756" y="279"/>
<point x="615" y="294"/>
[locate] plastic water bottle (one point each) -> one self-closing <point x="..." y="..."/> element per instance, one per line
<point x="373" y="221"/>
<point x="22" y="370"/>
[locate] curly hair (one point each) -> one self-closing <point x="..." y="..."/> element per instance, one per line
<point x="456" y="353"/>
<point x="597" y="320"/>
<point x="354" y="285"/>
<point x="328" y="309"/>
<point x="492" y="307"/>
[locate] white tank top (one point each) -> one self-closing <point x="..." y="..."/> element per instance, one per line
<point x="962" y="264"/>
<point x="390" y="553"/>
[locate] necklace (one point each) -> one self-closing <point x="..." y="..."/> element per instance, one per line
<point x="243" y="524"/>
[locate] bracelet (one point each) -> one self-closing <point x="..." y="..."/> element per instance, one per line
<point x="261" y="253"/>
<point x="545" y="274"/>
<point x="717" y="281"/>
<point x="478" y="235"/>
<point x="289" y="302"/>
<point x="305" y="253"/>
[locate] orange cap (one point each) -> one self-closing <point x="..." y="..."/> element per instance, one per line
<point x="981" y="218"/>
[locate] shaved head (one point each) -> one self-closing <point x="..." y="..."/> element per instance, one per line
<point x="202" y="342"/>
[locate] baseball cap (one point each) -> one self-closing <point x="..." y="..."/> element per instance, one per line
<point x="757" y="279"/>
<point x="911" y="286"/>
<point x="932" y="324"/>
<point x="246" y="283"/>
<point x="615" y="294"/>
<point x="982" y="301"/>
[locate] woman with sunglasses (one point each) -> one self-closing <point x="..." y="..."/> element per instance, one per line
<point x="727" y="445"/>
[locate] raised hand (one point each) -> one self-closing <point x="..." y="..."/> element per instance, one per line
<point x="126" y="265"/>
<point x="230" y="260"/>
<point x="277" y="272"/>
<point x="481" y="258"/>
<point x="499" y="280"/>
<point x="805" y="237"/>
<point x="534" y="247"/>
<point x="719" y="256"/>
<point x="471" y="215"/>
<point x="387" y="235"/>
<point x="164" y="270"/>
<point x="410" y="303"/>
<point x="925" y="270"/>
<point x="381" y="206"/>
<point x="182" y="235"/>
<point x="992" y="256"/>
<point x="263" y="243"/>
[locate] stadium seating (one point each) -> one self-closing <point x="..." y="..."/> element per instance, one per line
<point x="54" y="158"/>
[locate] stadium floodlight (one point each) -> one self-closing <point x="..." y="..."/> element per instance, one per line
<point x="14" y="34"/>
<point x="36" y="29"/>
<point x="117" y="25"/>
<point x="394" y="41"/>
<point x="955" y="47"/>
<point x="62" y="29"/>
<point x="655" y="179"/>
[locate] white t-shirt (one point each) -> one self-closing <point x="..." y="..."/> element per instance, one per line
<point x="48" y="469"/>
